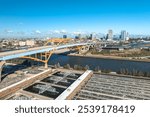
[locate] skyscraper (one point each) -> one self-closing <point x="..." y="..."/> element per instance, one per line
<point x="123" y="35"/>
<point x="64" y="36"/>
<point x="78" y="36"/>
<point x="91" y="36"/>
<point x="110" y="35"/>
<point x="127" y="36"/>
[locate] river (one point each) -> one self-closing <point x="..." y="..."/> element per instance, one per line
<point x="104" y="64"/>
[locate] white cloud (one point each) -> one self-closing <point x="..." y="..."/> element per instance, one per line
<point x="56" y="31"/>
<point x="63" y="31"/>
<point x="37" y="32"/>
<point x="78" y="32"/>
<point x="8" y="31"/>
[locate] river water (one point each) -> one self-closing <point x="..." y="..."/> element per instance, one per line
<point x="104" y="64"/>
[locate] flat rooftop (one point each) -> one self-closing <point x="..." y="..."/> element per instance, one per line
<point x="109" y="87"/>
<point x="57" y="84"/>
<point x="49" y="88"/>
<point x="14" y="74"/>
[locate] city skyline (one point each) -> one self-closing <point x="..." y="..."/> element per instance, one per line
<point x="26" y="16"/>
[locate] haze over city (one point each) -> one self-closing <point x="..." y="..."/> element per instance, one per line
<point x="26" y="17"/>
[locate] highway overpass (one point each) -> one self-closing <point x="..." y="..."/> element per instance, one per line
<point x="19" y="53"/>
<point x="46" y="50"/>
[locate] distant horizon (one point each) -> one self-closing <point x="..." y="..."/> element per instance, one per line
<point x="69" y="35"/>
<point x="25" y="17"/>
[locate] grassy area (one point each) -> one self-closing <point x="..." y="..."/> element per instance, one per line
<point x="125" y="53"/>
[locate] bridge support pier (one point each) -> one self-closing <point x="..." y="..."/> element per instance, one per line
<point x="46" y="65"/>
<point x="84" y="49"/>
<point x="2" y="63"/>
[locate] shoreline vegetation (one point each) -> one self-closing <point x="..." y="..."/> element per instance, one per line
<point x="125" y="72"/>
<point x="109" y="57"/>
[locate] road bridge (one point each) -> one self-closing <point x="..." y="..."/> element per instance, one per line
<point x="44" y="51"/>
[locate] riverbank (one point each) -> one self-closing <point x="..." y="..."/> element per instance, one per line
<point x="102" y="73"/>
<point x="109" y="57"/>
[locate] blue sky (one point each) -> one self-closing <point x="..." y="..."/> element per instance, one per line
<point x="24" y="16"/>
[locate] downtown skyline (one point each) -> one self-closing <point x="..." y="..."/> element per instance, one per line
<point x="24" y="17"/>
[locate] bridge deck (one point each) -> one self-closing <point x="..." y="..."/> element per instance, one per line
<point x="30" y="51"/>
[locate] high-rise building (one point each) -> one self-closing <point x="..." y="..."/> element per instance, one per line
<point x="64" y="36"/>
<point x="78" y="36"/>
<point x="123" y="35"/>
<point x="127" y="36"/>
<point x="91" y="36"/>
<point x="110" y="35"/>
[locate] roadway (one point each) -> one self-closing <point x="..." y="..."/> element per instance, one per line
<point x="25" y="52"/>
